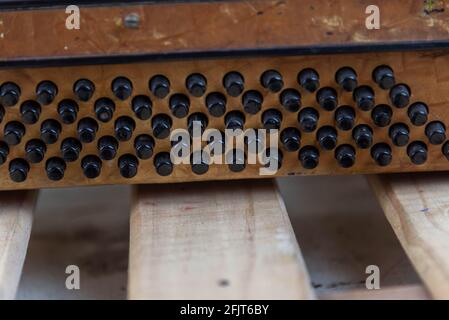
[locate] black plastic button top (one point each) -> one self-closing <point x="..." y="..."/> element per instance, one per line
<point x="309" y="79"/>
<point x="236" y="160"/>
<point x="417" y="152"/>
<point x="68" y="111"/>
<point x="345" y="118"/>
<point x="161" y="125"/>
<point x="272" y="119"/>
<point x="91" y="166"/>
<point x="345" y="155"/>
<point x="84" y="89"/>
<point x="308" y="119"/>
<point x="87" y="130"/>
<point x="309" y="156"/>
<point x="13" y="132"/>
<point x="418" y="113"/>
<point x="327" y="137"/>
<point x="163" y="164"/>
<point x="30" y="111"/>
<point x="400" y="95"/>
<point x="272" y="80"/>
<point x="18" y="170"/>
<point x="382" y="115"/>
<point x="122" y="88"/>
<point x="46" y="92"/>
<point x="55" y="168"/>
<point x="107" y="147"/>
<point x="142" y="107"/>
<point x="35" y="150"/>
<point x="273" y="155"/>
<point x="179" y="105"/>
<point x="399" y="134"/>
<point x="234" y="120"/>
<point x="216" y="104"/>
<point x="384" y="77"/>
<point x="104" y="109"/>
<point x="252" y="101"/>
<point x="70" y="149"/>
<point x="436" y="132"/>
<point x="128" y="165"/>
<point x="196" y="84"/>
<point x="234" y="83"/>
<point x="4" y="152"/>
<point x="50" y="130"/>
<point x="2" y="113"/>
<point x="199" y="162"/>
<point x="327" y="98"/>
<point x="364" y="97"/>
<point x="160" y="86"/>
<point x="144" y="145"/>
<point x="291" y="99"/>
<point x="124" y="127"/>
<point x="346" y="78"/>
<point x="445" y="150"/>
<point x="9" y="94"/>
<point x="291" y="139"/>
<point x="381" y="153"/>
<point x="197" y="119"/>
<point x="363" y="136"/>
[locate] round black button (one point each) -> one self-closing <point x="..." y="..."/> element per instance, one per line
<point x="179" y="105"/>
<point x="68" y="111"/>
<point x="128" y="165"/>
<point x="418" y="113"/>
<point x="382" y="154"/>
<point x="87" y="130"/>
<point x="30" y="111"/>
<point x="236" y="160"/>
<point x="399" y="134"/>
<point x="272" y="119"/>
<point x="234" y="120"/>
<point x="142" y="107"/>
<point x="144" y="145"/>
<point x="35" y="150"/>
<point x="159" y="86"/>
<point x="199" y="162"/>
<point x="327" y="98"/>
<point x="9" y="94"/>
<point x="252" y="101"/>
<point x="50" y="130"/>
<point x="417" y="151"/>
<point x="364" y="97"/>
<point x="346" y="78"/>
<point x="55" y="168"/>
<point x="400" y="95"/>
<point x="291" y="100"/>
<point x="46" y="92"/>
<point x="234" y="83"/>
<point x="4" y="152"/>
<point x="84" y="89"/>
<point x="123" y="128"/>
<point x="196" y="84"/>
<point x="345" y="155"/>
<point x="309" y="157"/>
<point x="216" y="104"/>
<point x="161" y="125"/>
<point x="122" y="88"/>
<point x="345" y="118"/>
<point x="104" y="109"/>
<point x="308" y="119"/>
<point x="309" y="79"/>
<point x="291" y="139"/>
<point x="107" y="147"/>
<point x="91" y="166"/>
<point x="197" y="119"/>
<point x="18" y="170"/>
<point x="13" y="132"/>
<point x="272" y="80"/>
<point x="327" y="137"/>
<point x="70" y="149"/>
<point x="384" y="77"/>
<point x="163" y="164"/>
<point x="382" y="115"/>
<point x="436" y="132"/>
<point x="363" y="136"/>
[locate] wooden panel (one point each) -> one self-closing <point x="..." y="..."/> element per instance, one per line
<point x="417" y="209"/>
<point x="214" y="241"/>
<point x="228" y="25"/>
<point x="16" y="216"/>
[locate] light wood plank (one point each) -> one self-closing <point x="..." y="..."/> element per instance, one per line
<point x="16" y="217"/>
<point x="218" y="240"/>
<point x="417" y="207"/>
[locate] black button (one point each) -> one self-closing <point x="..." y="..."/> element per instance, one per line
<point x="68" y="111"/>
<point x="199" y="162"/>
<point x="272" y="80"/>
<point x="4" y="152"/>
<point x="346" y="78"/>
<point x="436" y="132"/>
<point x="70" y="149"/>
<point x="216" y="142"/>
<point x="381" y="153"/>
<point x="345" y="117"/>
<point x="364" y="97"/>
<point x="142" y="107"/>
<point x="382" y="115"/>
<point x="35" y="150"/>
<point x="345" y="155"/>
<point x="122" y="88"/>
<point x="128" y="165"/>
<point x="309" y="156"/>
<point x="159" y="86"/>
<point x="107" y="147"/>
<point x="234" y="83"/>
<point x="417" y="151"/>
<point x="55" y="168"/>
<point x="104" y="109"/>
<point x="291" y="100"/>
<point x="399" y="134"/>
<point x="234" y="120"/>
<point x="272" y="119"/>
<point x="291" y="139"/>
<point x="363" y="136"/>
<point x="2" y="113"/>
<point x="308" y="119"/>
<point x="179" y="105"/>
<point x="50" y="130"/>
<point x="327" y="137"/>
<point x="384" y="77"/>
<point x="91" y="166"/>
<point x="163" y="164"/>
<point x="445" y="150"/>
<point x="196" y="84"/>
<point x="236" y="160"/>
<point x="327" y="98"/>
<point x="216" y="104"/>
<point x="400" y="95"/>
<point x="252" y="101"/>
<point x="46" y="92"/>
<point x="123" y="128"/>
<point x="13" y="132"/>
<point x="84" y="89"/>
<point x="161" y="125"/>
<point x="273" y="155"/>
<point x="18" y="170"/>
<point x="87" y="130"/>
<point x="144" y="145"/>
<point x="418" y="113"/>
<point x="197" y="118"/>
<point x="309" y="79"/>
<point x="9" y="94"/>
<point x="30" y="111"/>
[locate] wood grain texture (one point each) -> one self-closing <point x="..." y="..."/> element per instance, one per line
<point x="214" y="241"/>
<point x="216" y="27"/>
<point x="16" y="216"/>
<point x="417" y="208"/>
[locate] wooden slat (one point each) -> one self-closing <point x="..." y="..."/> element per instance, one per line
<point x="227" y="240"/>
<point x="417" y="207"/>
<point x="16" y="216"/>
